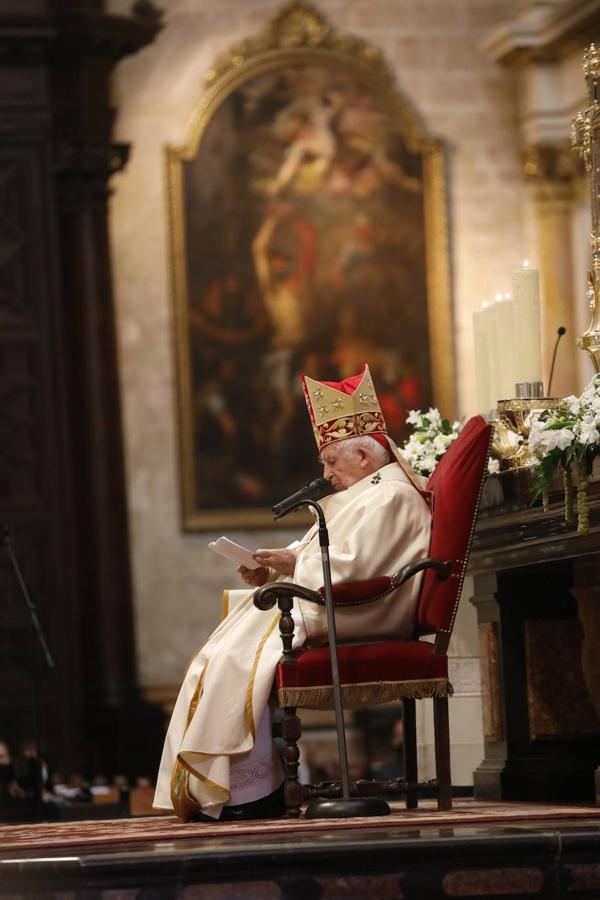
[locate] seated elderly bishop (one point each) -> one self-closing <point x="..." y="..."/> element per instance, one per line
<point x="218" y="759"/>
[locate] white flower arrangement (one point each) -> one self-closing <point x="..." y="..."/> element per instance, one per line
<point x="493" y="465"/>
<point x="430" y="439"/>
<point x="568" y="438"/>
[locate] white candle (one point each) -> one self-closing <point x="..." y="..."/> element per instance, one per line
<point x="526" y="324"/>
<point x="495" y="353"/>
<point x="482" y="359"/>
<point x="504" y="331"/>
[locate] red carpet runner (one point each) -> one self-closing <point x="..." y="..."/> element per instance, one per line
<point x="169" y="828"/>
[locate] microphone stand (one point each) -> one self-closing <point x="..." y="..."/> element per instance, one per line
<point x="345" y="806"/>
<point x="7" y="542"/>
<point x="559" y="331"/>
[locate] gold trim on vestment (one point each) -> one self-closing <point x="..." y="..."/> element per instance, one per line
<point x="225" y="610"/>
<point x="211" y="784"/>
<point x="184" y="804"/>
<point x="249" y="716"/>
<point x="195" y="698"/>
<point x="365" y="694"/>
<point x="196" y="695"/>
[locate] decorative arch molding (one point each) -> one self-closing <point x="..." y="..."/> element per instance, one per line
<point x="299" y="33"/>
<point x="299" y="36"/>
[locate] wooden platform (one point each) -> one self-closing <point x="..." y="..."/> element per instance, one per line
<point x="478" y="849"/>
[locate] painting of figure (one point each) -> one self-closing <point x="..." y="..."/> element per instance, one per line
<point x="305" y="251"/>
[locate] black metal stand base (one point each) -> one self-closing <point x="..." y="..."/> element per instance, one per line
<point x="322" y="808"/>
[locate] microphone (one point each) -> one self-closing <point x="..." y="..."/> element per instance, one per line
<point x="560" y="331"/>
<point x="314" y="490"/>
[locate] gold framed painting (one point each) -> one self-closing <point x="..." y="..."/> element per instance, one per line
<point x="308" y="234"/>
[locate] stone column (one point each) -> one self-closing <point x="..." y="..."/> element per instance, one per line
<point x="487" y="778"/>
<point x="550" y="168"/>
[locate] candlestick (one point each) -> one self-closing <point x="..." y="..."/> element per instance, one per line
<point x="586" y="141"/>
<point x="526" y="324"/>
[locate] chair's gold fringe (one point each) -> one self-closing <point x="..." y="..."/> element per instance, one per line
<point x="367" y="694"/>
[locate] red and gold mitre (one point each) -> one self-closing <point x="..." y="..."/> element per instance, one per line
<point x="343" y="409"/>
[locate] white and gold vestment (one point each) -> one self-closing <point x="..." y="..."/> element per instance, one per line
<point x="376" y="526"/>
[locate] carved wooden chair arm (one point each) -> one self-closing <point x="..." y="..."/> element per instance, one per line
<point x="269" y="594"/>
<point x="444" y="569"/>
<point x="283" y="593"/>
<point x="350" y="594"/>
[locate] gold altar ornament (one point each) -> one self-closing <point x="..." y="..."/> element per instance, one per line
<point x="505" y="444"/>
<point x="586" y="141"/>
<point x="515" y="416"/>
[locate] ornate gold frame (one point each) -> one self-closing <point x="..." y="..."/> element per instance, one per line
<point x="298" y="33"/>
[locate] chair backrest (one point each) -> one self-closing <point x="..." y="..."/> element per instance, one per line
<point x="456" y="485"/>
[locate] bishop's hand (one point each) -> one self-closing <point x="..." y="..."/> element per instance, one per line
<point x="254" y="577"/>
<point x="283" y="561"/>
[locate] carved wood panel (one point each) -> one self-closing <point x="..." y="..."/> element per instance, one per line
<point x="61" y="483"/>
<point x="31" y="423"/>
<point x="21" y="432"/>
<point x="26" y="390"/>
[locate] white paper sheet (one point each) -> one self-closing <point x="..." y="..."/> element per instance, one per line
<point x="235" y="552"/>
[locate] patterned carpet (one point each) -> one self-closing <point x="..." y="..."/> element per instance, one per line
<point x="169" y="828"/>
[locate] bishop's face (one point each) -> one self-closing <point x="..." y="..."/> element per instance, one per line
<point x="343" y="467"/>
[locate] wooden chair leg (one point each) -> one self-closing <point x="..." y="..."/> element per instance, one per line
<point x="292" y="789"/>
<point x="441" y="727"/>
<point x="410" y="752"/>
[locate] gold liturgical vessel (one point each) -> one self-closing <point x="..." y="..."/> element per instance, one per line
<point x="514" y="424"/>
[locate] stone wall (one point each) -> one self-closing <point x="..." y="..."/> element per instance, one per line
<point x="433" y="46"/>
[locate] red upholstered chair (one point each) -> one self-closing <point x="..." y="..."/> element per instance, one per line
<point x="378" y="672"/>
